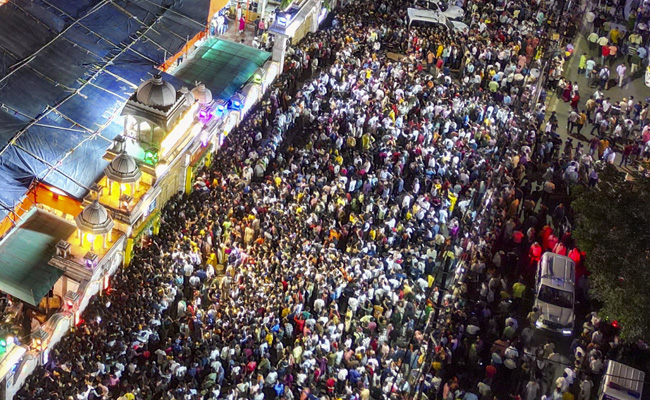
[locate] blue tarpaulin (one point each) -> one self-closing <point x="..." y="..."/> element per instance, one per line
<point x="66" y="70"/>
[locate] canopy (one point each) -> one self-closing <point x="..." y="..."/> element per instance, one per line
<point x="66" y="70"/>
<point x="222" y="66"/>
<point x="25" y="253"/>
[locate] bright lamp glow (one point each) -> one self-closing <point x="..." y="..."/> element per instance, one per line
<point x="179" y="130"/>
<point x="90" y="238"/>
<point x="57" y="191"/>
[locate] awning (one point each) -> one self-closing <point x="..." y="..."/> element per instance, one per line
<point x="25" y="253"/>
<point x="222" y="66"/>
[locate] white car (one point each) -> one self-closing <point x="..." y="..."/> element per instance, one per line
<point x="418" y="17"/>
<point x="457" y="26"/>
<point x="555" y="293"/>
<point x="452" y="12"/>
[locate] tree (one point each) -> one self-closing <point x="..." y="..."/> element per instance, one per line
<point x="613" y="228"/>
<point x="284" y="4"/>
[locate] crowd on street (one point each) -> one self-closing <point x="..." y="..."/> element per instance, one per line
<point x="617" y="49"/>
<point x="369" y="231"/>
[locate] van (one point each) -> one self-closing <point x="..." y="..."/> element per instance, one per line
<point x="555" y="293"/>
<point x="621" y="382"/>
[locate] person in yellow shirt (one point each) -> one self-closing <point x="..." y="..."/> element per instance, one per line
<point x="614" y="34"/>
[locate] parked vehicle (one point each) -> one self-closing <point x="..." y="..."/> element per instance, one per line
<point x="621" y="382"/>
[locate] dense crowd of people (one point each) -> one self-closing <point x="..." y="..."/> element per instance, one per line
<point x="615" y="126"/>
<point x="369" y="231"/>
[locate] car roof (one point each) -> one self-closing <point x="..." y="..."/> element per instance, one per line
<point x="415" y="14"/>
<point x="559" y="269"/>
<point x="622" y="381"/>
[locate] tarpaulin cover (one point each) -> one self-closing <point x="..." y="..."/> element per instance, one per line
<point x="66" y="70"/>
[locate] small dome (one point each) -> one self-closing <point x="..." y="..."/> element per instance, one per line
<point x="202" y="94"/>
<point x="156" y="92"/>
<point x="189" y="96"/>
<point x="94" y="219"/>
<point x="123" y="169"/>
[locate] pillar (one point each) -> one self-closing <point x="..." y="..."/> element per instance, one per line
<point x="279" y="50"/>
<point x="128" y="251"/>
<point x="262" y="9"/>
<point x="314" y="20"/>
<point x="156" y="224"/>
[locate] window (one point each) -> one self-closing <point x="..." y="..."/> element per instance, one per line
<point x="557" y="297"/>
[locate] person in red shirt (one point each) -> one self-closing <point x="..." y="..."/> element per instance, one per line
<point x="517" y="237"/>
<point x="331" y="382"/>
<point x="300" y="323"/>
<point x="544" y="234"/>
<point x="535" y="253"/>
<point x="560" y="249"/>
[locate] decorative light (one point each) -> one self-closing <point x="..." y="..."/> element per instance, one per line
<point x="236" y="104"/>
<point x="205" y="115"/>
<point x="150" y="157"/>
<point x="90" y="260"/>
<point x="258" y="76"/>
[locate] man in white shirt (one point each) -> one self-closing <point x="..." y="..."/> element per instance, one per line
<point x="621" y="70"/>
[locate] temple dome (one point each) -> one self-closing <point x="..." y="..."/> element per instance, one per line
<point x="155" y="92"/>
<point x="202" y="94"/>
<point x="123" y="169"/>
<point x="94" y="219"/>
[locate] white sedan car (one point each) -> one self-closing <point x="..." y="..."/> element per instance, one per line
<point x="449" y="11"/>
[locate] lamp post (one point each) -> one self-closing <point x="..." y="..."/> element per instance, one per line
<point x="39" y="343"/>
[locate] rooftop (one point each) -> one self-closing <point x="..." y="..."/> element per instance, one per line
<point x="222" y="66"/>
<point x="25" y="253"/>
<point x="58" y="119"/>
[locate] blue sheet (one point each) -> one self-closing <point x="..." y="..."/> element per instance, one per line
<point x="51" y="52"/>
